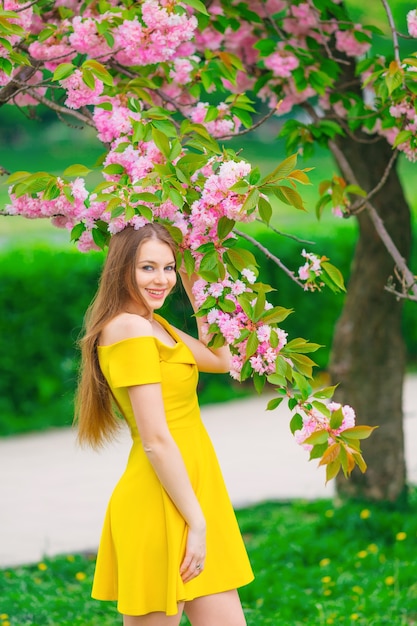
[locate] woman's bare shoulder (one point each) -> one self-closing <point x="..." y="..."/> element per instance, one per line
<point x="125" y="326"/>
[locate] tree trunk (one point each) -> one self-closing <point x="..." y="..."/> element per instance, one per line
<point x="368" y="354"/>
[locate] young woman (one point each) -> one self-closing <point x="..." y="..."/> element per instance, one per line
<point x="170" y="541"/>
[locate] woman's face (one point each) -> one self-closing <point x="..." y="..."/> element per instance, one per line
<point x="155" y="272"/>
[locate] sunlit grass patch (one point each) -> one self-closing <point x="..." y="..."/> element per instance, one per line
<point x="311" y="568"/>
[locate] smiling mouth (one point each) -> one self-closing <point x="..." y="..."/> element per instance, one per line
<point x="156" y="293"/>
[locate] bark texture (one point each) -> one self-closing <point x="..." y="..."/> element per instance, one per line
<point x="368" y="355"/>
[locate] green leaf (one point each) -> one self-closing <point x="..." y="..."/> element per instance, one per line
<point x="227" y="305"/>
<point x="275" y="315"/>
<point x="209" y="261"/>
<point x="88" y="79"/>
<point x="358" y="432"/>
<point x="318" y="450"/>
<point x="303" y="363"/>
<point x="239" y="258"/>
<point x="252" y="345"/>
<point x="161" y="141"/>
<point x="17" y="176"/>
<point x="77" y="170"/>
<point x="251" y="201"/>
<point x="325" y="393"/>
<point x="99" y="71"/>
<point x="246" y="306"/>
<point x="114" y="168"/>
<point x="321" y="408"/>
<point x="265" y="210"/>
<point x="224" y="227"/>
<point x="402" y="137"/>
<point x="302" y="384"/>
<point x="189" y="261"/>
<point x="77" y="231"/>
<point x="259" y="305"/>
<point x="241" y="187"/>
<point x="273" y="404"/>
<point x="246" y="371"/>
<point x="320" y="436"/>
<point x="336" y="419"/>
<point x="334" y="274"/>
<point x="332" y="470"/>
<point x="296" y="422"/>
<point x="197" y="5"/>
<point x="63" y="71"/>
<point x="258" y="382"/>
<point x="289" y="196"/>
<point x="282" y="171"/>
<point x="302" y="346"/>
<point x="277" y="379"/>
<point x="99" y="238"/>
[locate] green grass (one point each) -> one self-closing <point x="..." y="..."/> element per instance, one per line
<point x="315" y="564"/>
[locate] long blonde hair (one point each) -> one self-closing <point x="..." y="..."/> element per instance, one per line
<point x="94" y="405"/>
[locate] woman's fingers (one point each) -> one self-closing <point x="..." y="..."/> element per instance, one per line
<point x="195" y="553"/>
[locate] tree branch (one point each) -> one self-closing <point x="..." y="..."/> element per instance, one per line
<point x="269" y="255"/>
<point x="393" y="30"/>
<point x="86" y="119"/>
<point x="15" y="84"/>
<point x="408" y="277"/>
<point x="278" y="232"/>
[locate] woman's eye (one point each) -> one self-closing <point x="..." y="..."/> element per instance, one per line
<point x="147" y="268"/>
<point x="170" y="268"/>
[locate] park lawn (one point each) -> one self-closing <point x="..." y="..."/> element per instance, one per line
<point x="316" y="563"/>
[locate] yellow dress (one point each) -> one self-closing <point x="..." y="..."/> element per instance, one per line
<point x="144" y="535"/>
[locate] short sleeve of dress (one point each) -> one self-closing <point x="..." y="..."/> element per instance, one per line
<point x="134" y="361"/>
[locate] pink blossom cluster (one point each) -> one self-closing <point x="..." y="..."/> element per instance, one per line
<point x="310" y="270"/>
<point x="231" y="325"/>
<point x="157" y="40"/>
<point x="314" y="421"/>
<point x="86" y="39"/>
<point x="78" y="93"/>
<point x="224" y="124"/>
<point x="116" y="120"/>
<point x="347" y="42"/>
<point x="282" y="63"/>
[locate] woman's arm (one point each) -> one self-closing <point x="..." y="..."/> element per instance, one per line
<point x="214" y="360"/>
<point x="165" y="457"/>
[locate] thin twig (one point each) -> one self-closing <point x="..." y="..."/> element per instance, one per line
<point x="355" y="209"/>
<point x="401" y="295"/>
<point x="409" y="279"/>
<point x="256" y="125"/>
<point x="393" y="31"/>
<point x="3" y="171"/>
<point x="269" y="255"/>
<point x="278" y="232"/>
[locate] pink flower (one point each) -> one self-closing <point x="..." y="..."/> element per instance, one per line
<point x="52" y="52"/>
<point x="78" y="93"/>
<point x="281" y="63"/>
<point x="412" y="23"/>
<point x="86" y="39"/>
<point x="347" y="42"/>
<point x="249" y="275"/>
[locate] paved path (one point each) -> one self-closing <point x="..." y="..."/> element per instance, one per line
<point x="53" y="495"/>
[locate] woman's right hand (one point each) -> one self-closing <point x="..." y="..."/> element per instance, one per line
<point x="195" y="554"/>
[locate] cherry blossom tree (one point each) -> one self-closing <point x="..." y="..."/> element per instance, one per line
<point x="165" y="84"/>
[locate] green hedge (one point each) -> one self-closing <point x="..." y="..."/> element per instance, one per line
<point x="44" y="293"/>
